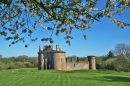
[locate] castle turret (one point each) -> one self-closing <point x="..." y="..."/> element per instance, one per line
<point x="59" y="59"/>
<point x="92" y="62"/>
<point x="40" y="59"/>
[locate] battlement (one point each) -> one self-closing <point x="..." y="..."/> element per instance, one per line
<point x="48" y="58"/>
<point x="47" y="48"/>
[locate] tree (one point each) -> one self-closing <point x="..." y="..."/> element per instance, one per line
<point x="23" y="58"/>
<point x="122" y="50"/>
<point x="1" y="56"/>
<point x="20" y="19"/>
<point x="110" y="54"/>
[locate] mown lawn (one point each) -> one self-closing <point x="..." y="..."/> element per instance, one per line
<point x="33" y="77"/>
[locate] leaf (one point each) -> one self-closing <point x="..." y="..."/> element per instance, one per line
<point x="10" y="45"/>
<point x="44" y="39"/>
<point x="24" y="30"/>
<point x="49" y="28"/>
<point x="13" y="42"/>
<point x="72" y="21"/>
<point x="8" y="38"/>
<point x="16" y="36"/>
<point x="68" y="42"/>
<point x="38" y="1"/>
<point x="85" y="37"/>
<point x="3" y="33"/>
<point x="51" y="40"/>
<point x="26" y="46"/>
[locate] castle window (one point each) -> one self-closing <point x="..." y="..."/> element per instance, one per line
<point x="74" y="65"/>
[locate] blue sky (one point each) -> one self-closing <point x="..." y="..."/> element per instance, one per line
<point x="101" y="37"/>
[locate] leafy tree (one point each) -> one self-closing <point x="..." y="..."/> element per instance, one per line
<point x="1" y="56"/>
<point x="110" y="54"/>
<point x="20" y="19"/>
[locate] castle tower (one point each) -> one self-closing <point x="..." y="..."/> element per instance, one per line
<point x="40" y="59"/>
<point x="59" y="59"/>
<point x="92" y="62"/>
<point x="48" y="57"/>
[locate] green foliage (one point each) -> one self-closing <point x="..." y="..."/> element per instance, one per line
<point x="119" y="60"/>
<point x="8" y="2"/>
<point x="122" y="64"/>
<point x="2" y="66"/>
<point x="99" y="62"/>
<point x="116" y="63"/>
<point x="110" y="54"/>
<point x="17" y="62"/>
<point x="20" y="19"/>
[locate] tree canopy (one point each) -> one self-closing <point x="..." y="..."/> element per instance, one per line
<point x="110" y="54"/>
<point x="20" y="19"/>
<point x="122" y="50"/>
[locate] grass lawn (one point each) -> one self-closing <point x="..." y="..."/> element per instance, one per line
<point x="33" y="77"/>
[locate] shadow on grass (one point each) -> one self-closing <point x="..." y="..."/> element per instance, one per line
<point x="116" y="79"/>
<point x="107" y="78"/>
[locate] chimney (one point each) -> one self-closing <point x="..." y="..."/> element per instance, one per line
<point x="40" y="49"/>
<point x="57" y="48"/>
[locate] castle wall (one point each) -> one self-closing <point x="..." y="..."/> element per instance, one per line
<point x="49" y="60"/>
<point x="59" y="61"/>
<point x="40" y="61"/>
<point x="55" y="59"/>
<point x="77" y="66"/>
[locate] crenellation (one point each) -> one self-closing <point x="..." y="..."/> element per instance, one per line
<point x="48" y="58"/>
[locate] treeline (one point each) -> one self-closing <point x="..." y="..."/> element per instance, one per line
<point x="22" y="61"/>
<point x="118" y="59"/>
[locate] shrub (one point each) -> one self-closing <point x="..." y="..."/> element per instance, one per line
<point x="122" y="64"/>
<point x="100" y="61"/>
<point x="118" y="64"/>
<point x="28" y="64"/>
<point x="10" y="65"/>
<point x="19" y="64"/>
<point x="2" y="66"/>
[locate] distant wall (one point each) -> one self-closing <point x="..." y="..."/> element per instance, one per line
<point x="77" y="66"/>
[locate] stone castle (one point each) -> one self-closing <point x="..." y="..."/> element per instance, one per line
<point x="56" y="59"/>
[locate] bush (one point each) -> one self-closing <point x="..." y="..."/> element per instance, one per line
<point x="10" y="65"/>
<point x="109" y="64"/>
<point x="28" y="64"/>
<point x="2" y="66"/>
<point x="118" y="64"/>
<point x="122" y="64"/>
<point x="19" y="64"/>
<point x="100" y="61"/>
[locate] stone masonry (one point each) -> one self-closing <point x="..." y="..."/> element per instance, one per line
<point x="48" y="58"/>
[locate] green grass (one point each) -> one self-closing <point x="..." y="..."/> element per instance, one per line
<point x="33" y="77"/>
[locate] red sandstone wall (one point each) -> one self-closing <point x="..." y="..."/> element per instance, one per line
<point x="59" y="61"/>
<point x="77" y="66"/>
